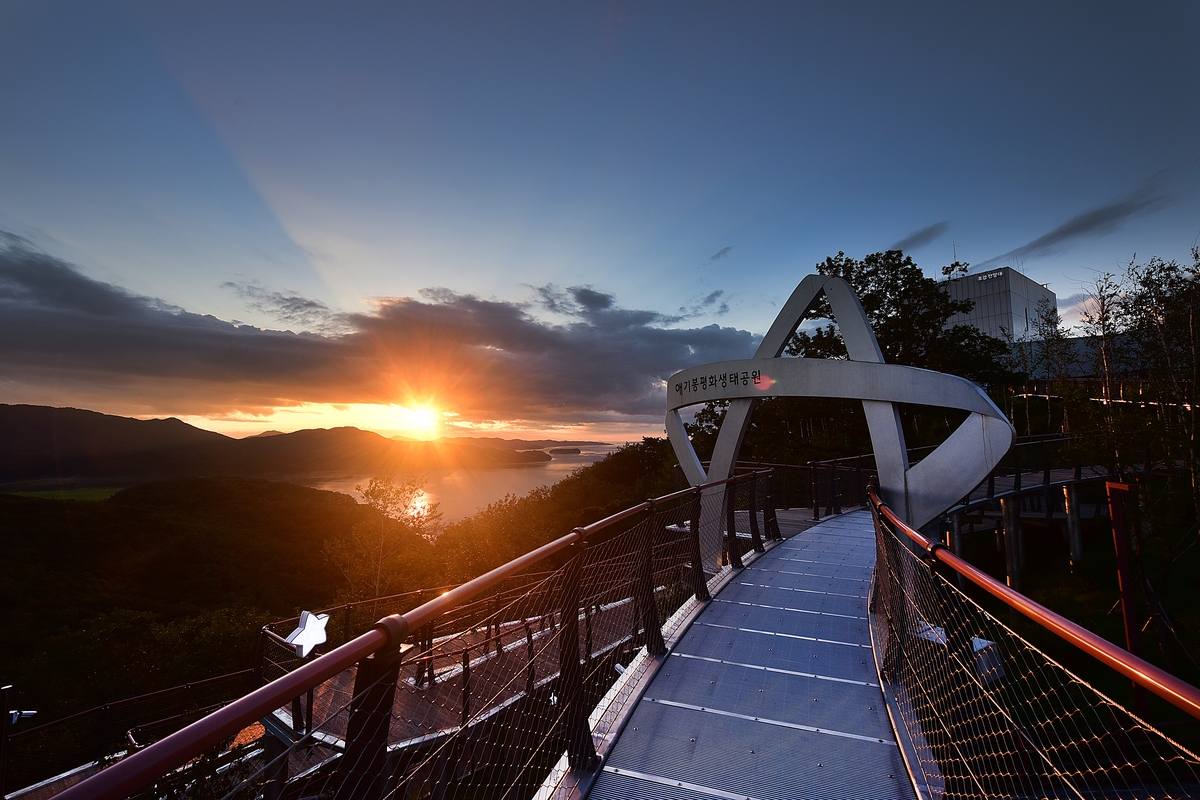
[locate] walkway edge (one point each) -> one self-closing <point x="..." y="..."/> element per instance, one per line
<point x="609" y="717"/>
<point x="908" y="750"/>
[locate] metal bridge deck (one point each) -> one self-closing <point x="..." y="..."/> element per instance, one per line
<point x="772" y="693"/>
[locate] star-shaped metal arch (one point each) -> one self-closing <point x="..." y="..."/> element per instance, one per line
<point x="920" y="492"/>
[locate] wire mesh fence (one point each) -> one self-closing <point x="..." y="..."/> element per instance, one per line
<point x="987" y="714"/>
<point x="96" y="737"/>
<point x="505" y="692"/>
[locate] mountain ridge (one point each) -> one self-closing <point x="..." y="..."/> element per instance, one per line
<point x="61" y="447"/>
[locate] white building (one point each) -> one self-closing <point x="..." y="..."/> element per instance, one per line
<point x="1004" y="299"/>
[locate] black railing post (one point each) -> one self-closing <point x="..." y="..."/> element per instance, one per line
<point x="769" y="516"/>
<point x="699" y="580"/>
<point x="581" y="751"/>
<point x="6" y="703"/>
<point x="466" y="685"/>
<point x="833" y="489"/>
<point x="755" y="533"/>
<point x="275" y="774"/>
<point x="425" y="665"/>
<point x="531" y="675"/>
<point x="1046" y="481"/>
<point x="260" y="655"/>
<point x="645" y="586"/>
<point x="814" y="492"/>
<point x="364" y="763"/>
<point x="732" y="548"/>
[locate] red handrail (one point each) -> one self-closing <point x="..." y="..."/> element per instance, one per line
<point x="1179" y="693"/>
<point x="139" y="770"/>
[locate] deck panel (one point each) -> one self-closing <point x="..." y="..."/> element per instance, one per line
<point x="772" y="692"/>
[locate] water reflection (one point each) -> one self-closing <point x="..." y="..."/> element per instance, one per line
<point x="462" y="492"/>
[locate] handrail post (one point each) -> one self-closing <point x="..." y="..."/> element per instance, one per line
<point x="275" y="775"/>
<point x="260" y="655"/>
<point x="699" y="582"/>
<point x="466" y="685"/>
<point x="581" y="750"/>
<point x="644" y="586"/>
<point x="833" y="490"/>
<point x="1116" y="515"/>
<point x="364" y="763"/>
<point x="1074" y="525"/>
<point x="814" y="491"/>
<point x="1010" y="516"/>
<point x="732" y="548"/>
<point x="755" y="534"/>
<point x="6" y="707"/>
<point x="769" y="516"/>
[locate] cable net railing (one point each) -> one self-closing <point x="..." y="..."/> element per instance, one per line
<point x="90" y="739"/>
<point x="499" y="695"/>
<point x="987" y="714"/>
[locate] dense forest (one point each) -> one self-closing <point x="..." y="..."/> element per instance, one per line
<point x="168" y="582"/>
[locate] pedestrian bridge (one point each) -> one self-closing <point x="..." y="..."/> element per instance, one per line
<point x="812" y="659"/>
<point x="773" y="690"/>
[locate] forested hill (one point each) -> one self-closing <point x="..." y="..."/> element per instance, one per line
<point x="168" y="582"/>
<point x="46" y="446"/>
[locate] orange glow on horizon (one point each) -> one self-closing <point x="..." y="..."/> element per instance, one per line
<point x="417" y="420"/>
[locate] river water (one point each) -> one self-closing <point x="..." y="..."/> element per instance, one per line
<point x="462" y="492"/>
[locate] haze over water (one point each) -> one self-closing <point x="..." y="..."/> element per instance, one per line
<point x="462" y="492"/>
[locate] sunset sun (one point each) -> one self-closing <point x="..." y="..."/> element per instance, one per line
<point x="418" y="419"/>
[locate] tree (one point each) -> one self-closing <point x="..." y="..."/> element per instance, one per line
<point x="1162" y="318"/>
<point x="378" y="556"/>
<point x="909" y="313"/>
<point x="1102" y="315"/>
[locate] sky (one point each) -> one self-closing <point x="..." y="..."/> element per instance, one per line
<point x="520" y="219"/>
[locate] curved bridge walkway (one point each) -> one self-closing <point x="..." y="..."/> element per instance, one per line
<point x="773" y="690"/>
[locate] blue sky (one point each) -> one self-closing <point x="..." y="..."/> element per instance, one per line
<point x="302" y="166"/>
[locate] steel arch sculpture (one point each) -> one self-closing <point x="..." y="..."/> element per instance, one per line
<point x="920" y="491"/>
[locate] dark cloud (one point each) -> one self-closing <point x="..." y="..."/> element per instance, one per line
<point x="922" y="237"/>
<point x="705" y="305"/>
<point x="717" y="256"/>
<point x="289" y="307"/>
<point x="1096" y="222"/>
<point x="66" y="339"/>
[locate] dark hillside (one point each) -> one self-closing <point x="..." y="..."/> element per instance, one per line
<point x="65" y="447"/>
<point x="150" y="570"/>
<point x="168" y="582"/>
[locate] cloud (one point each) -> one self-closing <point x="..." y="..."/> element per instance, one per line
<point x="289" y="307"/>
<point x="67" y="339"/>
<point x="1098" y="221"/>
<point x="922" y="237"/>
<point x="717" y="256"/>
<point x="1072" y="308"/>
<point x="707" y="305"/>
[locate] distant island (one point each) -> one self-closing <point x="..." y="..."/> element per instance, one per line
<point x="564" y="451"/>
<point x="51" y="448"/>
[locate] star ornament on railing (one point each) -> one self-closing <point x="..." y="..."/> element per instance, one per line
<point x="310" y="634"/>
<point x="919" y="492"/>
